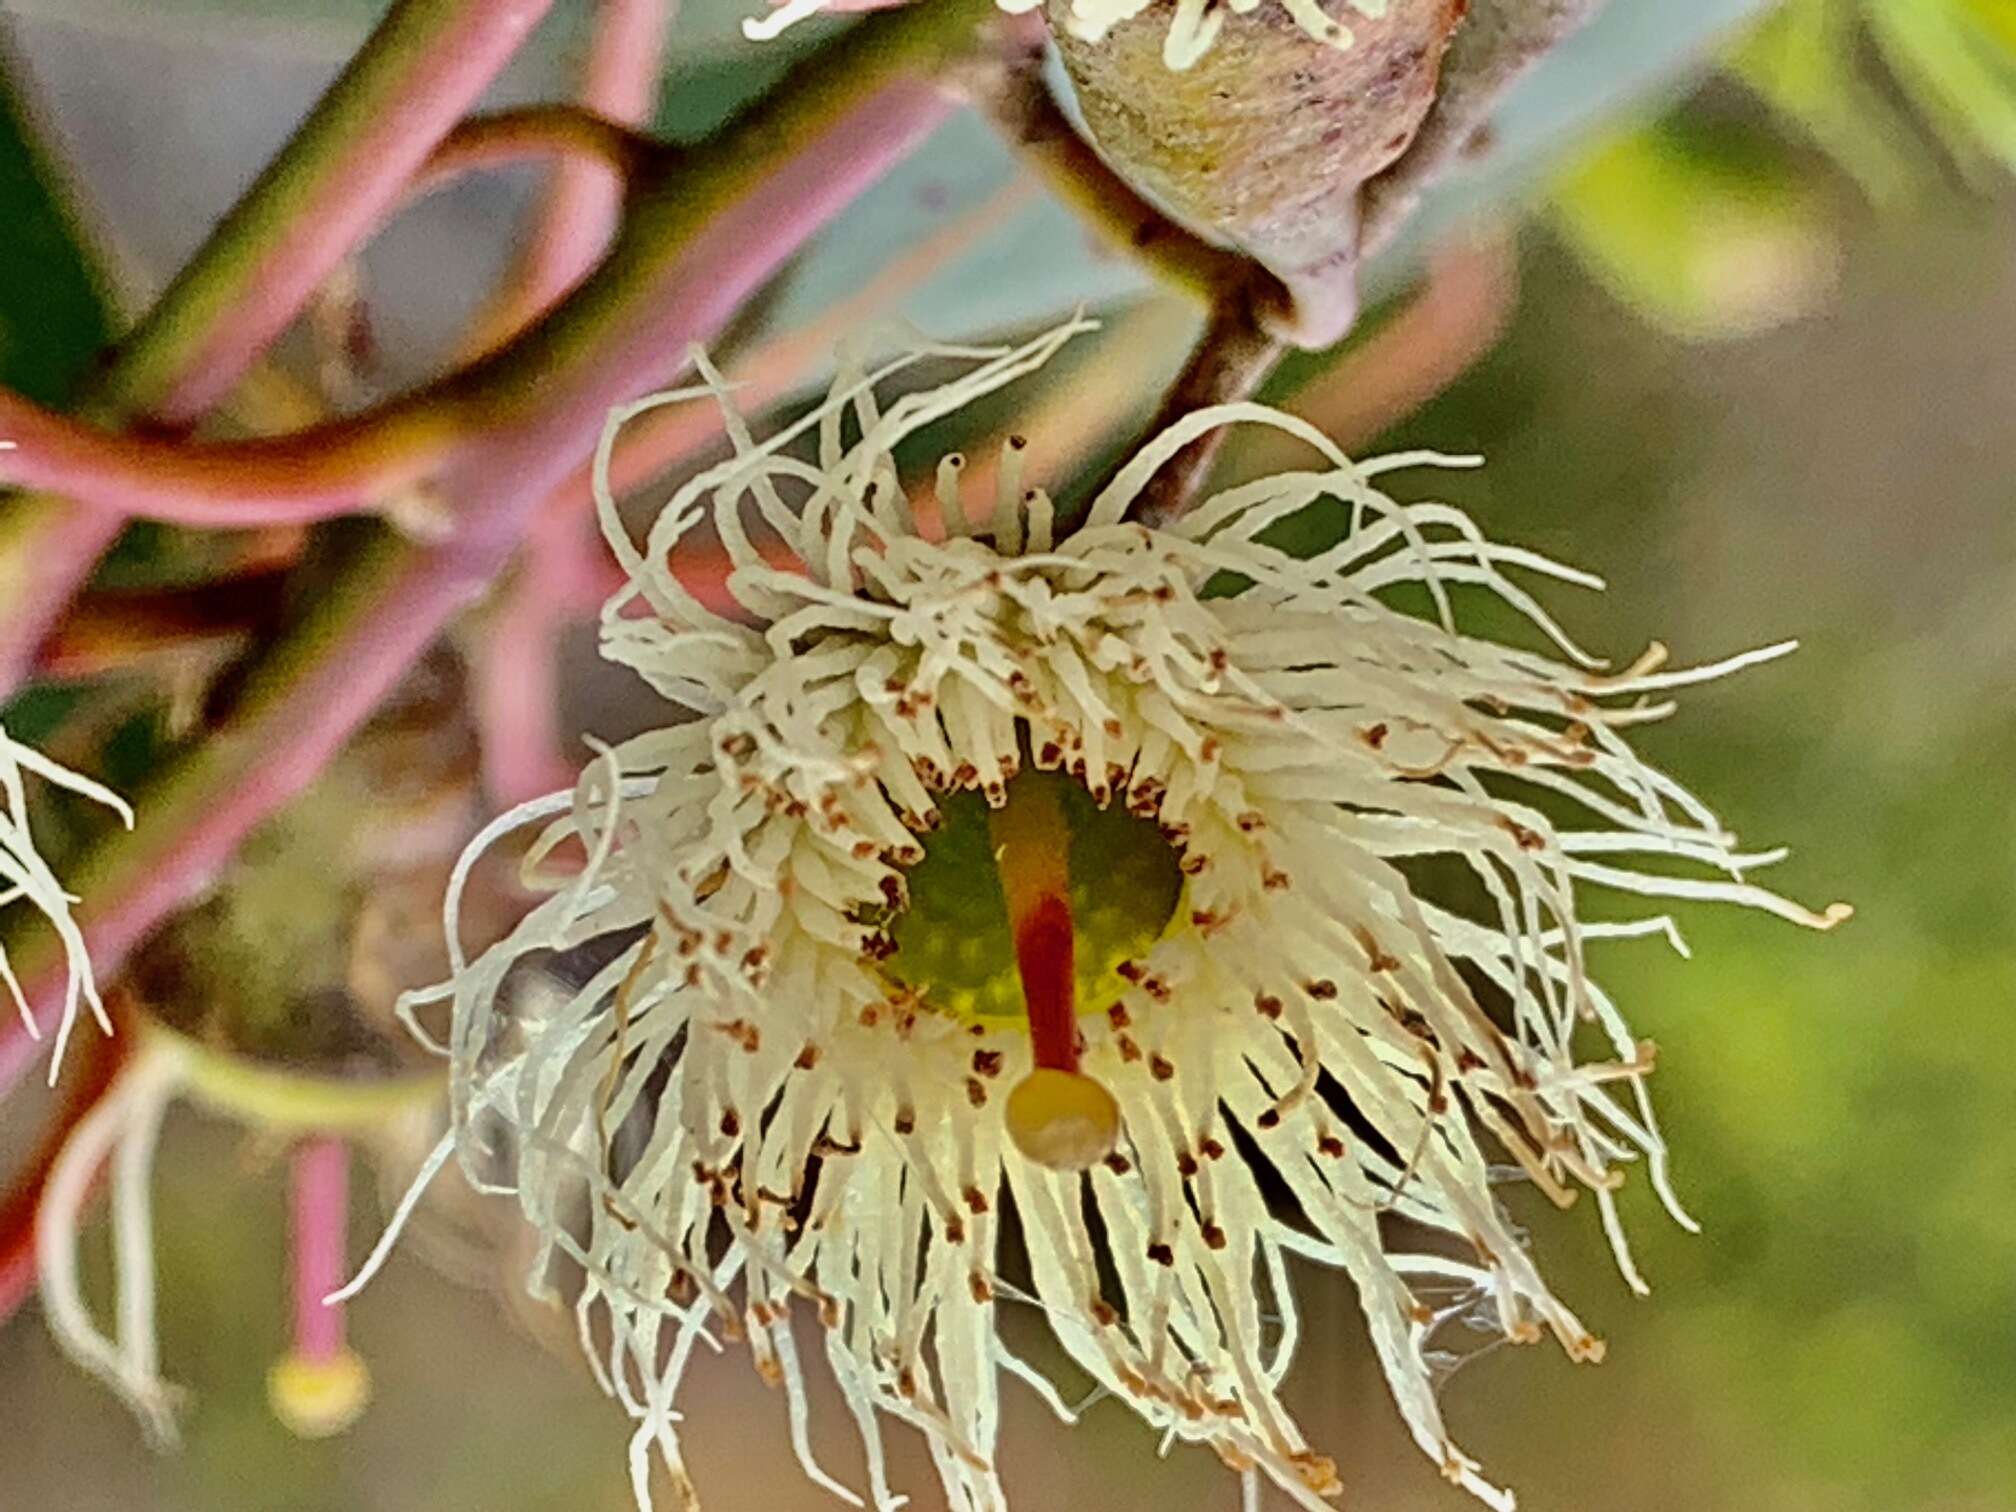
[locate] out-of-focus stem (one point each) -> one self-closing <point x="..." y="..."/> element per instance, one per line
<point x="421" y="71"/>
<point x="516" y="677"/>
<point x="119" y="631"/>
<point x="689" y="254"/>
<point x="606" y="147"/>
<point x="423" y="68"/>
<point x="320" y="1231"/>
<point x="578" y="214"/>
<point x="281" y="480"/>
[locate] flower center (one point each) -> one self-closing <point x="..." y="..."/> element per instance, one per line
<point x="1030" y="908"/>
<point x="954" y="944"/>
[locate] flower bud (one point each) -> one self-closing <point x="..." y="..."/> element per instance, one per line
<point x="1259" y="134"/>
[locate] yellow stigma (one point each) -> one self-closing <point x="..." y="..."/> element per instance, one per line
<point x="1063" y="1119"/>
<point x="318" y="1398"/>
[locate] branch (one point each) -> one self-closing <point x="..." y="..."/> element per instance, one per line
<point x="422" y="70"/>
<point x="576" y="136"/>
<point x="689" y="254"/>
<point x="517" y="680"/>
<point x="428" y="62"/>
<point x="579" y="213"/>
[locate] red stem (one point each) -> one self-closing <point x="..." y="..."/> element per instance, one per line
<point x="281" y="480"/>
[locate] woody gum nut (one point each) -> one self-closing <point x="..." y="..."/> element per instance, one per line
<point x="1264" y="141"/>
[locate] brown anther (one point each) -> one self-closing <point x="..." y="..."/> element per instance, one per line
<point x="1118" y="1016"/>
<point x="975" y="1200"/>
<point x="955" y="1230"/>
<point x="1214" y="1237"/>
<point x="976" y="1092"/>
<point x="1251" y="822"/>
<point x="906" y="1120"/>
<point x="1322" y="989"/>
<point x="1129" y="1051"/>
<point x="1330" y="1145"/>
<point x="1267" y="1005"/>
<point x="1186" y="1164"/>
<point x="987" y="1062"/>
<point x="1161" y="1253"/>
<point x="1102" y="1313"/>
<point x="731" y="1123"/>
<point x="980" y="1287"/>
<point x="1272" y="879"/>
<point x="1210" y="1148"/>
<point x="1194" y="864"/>
<point x="1374" y="735"/>
<point x="1271" y="1119"/>
<point x="1159" y="1067"/>
<point x="1118" y="1164"/>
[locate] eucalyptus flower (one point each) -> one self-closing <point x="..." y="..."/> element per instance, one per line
<point x="26" y="878"/>
<point x="996" y="862"/>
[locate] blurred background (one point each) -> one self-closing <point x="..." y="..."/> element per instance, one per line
<point x="1762" y="378"/>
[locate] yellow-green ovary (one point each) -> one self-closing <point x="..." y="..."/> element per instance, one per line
<point x="953" y="943"/>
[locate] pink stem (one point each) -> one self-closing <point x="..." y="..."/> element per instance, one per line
<point x="281" y="480"/>
<point x="65" y="552"/>
<point x="382" y="152"/>
<point x="423" y="70"/>
<point x="193" y="819"/>
<point x="320" y="1236"/>
<point x="584" y="199"/>
<point x="517" y="678"/>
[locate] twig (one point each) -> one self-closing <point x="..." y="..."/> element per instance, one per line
<point x="1231" y="361"/>
<point x="423" y="68"/>
<point x="686" y="259"/>
<point x="579" y="213"/>
<point x="517" y="681"/>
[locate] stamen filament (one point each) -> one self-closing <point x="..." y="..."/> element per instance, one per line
<point x="320" y="1386"/>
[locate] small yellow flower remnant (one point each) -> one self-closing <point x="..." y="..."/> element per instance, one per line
<point x="26" y="878"/>
<point x="798" y="1092"/>
<point x="1193" y="24"/>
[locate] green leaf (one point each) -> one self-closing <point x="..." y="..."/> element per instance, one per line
<point x="53" y="319"/>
